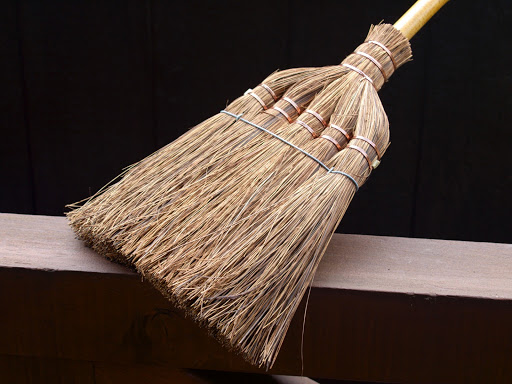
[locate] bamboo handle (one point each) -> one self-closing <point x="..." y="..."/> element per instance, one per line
<point x="417" y="16"/>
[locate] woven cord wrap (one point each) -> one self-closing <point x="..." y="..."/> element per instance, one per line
<point x="329" y="170"/>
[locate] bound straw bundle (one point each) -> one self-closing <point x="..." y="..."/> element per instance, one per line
<point x="244" y="279"/>
<point x="236" y="238"/>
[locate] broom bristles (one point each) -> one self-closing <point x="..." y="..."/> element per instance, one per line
<point x="243" y="271"/>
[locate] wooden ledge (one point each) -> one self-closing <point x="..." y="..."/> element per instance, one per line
<point x="381" y="309"/>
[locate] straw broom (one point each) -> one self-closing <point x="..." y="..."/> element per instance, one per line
<point x="267" y="259"/>
<point x="257" y="273"/>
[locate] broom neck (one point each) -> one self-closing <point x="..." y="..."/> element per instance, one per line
<point x="417" y="16"/>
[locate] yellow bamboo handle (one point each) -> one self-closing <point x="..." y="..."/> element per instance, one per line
<point x="417" y="16"/>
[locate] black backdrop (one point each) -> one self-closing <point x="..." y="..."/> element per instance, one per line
<point x="89" y="87"/>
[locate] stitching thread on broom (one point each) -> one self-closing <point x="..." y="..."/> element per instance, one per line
<point x="329" y="170"/>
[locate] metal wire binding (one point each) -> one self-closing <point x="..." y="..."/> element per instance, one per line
<point x="329" y="170"/>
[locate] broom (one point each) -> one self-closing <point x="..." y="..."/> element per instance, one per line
<point x="267" y="259"/>
<point x="257" y="269"/>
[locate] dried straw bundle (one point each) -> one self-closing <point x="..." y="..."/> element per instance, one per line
<point x="242" y="264"/>
<point x="243" y="271"/>
<point x="171" y="167"/>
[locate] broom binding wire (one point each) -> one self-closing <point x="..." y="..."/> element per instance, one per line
<point x="305" y="153"/>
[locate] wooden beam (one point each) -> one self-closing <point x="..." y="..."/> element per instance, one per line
<point x="381" y="309"/>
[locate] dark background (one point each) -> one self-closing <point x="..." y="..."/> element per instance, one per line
<point x="91" y="86"/>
